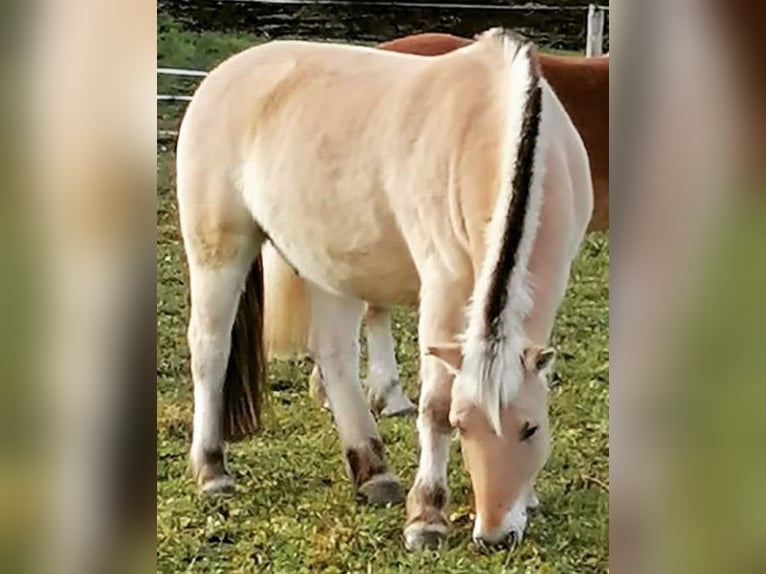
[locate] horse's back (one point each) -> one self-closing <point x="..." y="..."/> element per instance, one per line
<point x="252" y="85"/>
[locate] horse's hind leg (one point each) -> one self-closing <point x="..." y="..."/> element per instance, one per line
<point x="216" y="284"/>
<point x="385" y="392"/>
<point x="334" y="345"/>
<point x="316" y="388"/>
<point x="385" y="395"/>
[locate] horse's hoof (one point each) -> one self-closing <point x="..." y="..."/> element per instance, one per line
<point x="382" y="489"/>
<point x="218" y="485"/>
<point x="398" y="406"/>
<point x="425" y="536"/>
<point x="208" y="467"/>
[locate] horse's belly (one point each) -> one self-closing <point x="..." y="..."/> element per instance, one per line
<point x="383" y="276"/>
<point x="345" y="243"/>
<point x="379" y="272"/>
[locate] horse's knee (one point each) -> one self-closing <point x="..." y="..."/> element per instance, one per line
<point x="434" y="411"/>
<point x="213" y="243"/>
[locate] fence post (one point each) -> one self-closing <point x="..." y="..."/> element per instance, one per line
<point x="594" y="42"/>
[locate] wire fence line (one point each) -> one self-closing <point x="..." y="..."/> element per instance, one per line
<point x="405" y="4"/>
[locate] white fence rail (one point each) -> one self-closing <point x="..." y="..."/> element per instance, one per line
<point x="163" y="98"/>
<point x="180" y="72"/>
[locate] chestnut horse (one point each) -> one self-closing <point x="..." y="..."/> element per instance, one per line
<point x="451" y="182"/>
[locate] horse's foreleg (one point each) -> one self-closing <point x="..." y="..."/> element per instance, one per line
<point x="334" y="345"/>
<point x="385" y="393"/>
<point x="215" y="294"/>
<point x="441" y="317"/>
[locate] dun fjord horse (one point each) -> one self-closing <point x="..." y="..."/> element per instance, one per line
<point x="582" y="85"/>
<point x="457" y="181"/>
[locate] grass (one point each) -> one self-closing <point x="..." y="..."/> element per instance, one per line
<point x="295" y="510"/>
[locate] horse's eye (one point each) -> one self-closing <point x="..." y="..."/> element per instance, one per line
<point x="528" y="431"/>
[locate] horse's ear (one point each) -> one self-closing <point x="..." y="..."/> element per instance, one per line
<point x="449" y="354"/>
<point x="539" y="359"/>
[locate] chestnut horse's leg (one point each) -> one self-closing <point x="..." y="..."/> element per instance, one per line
<point x="334" y="346"/>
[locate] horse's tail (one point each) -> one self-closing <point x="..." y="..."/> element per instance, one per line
<point x="245" y="382"/>
<point x="287" y="315"/>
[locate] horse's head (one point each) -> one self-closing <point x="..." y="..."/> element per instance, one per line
<point x="503" y="467"/>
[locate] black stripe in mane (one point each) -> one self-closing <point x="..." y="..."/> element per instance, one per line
<point x="514" y="229"/>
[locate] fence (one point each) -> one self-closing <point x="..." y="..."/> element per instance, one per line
<point x="594" y="37"/>
<point x="405" y="4"/>
<point x="554" y="23"/>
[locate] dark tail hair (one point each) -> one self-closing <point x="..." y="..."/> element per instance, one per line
<point x="245" y="383"/>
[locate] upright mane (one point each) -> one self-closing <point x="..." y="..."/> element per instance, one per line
<point x="494" y="339"/>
